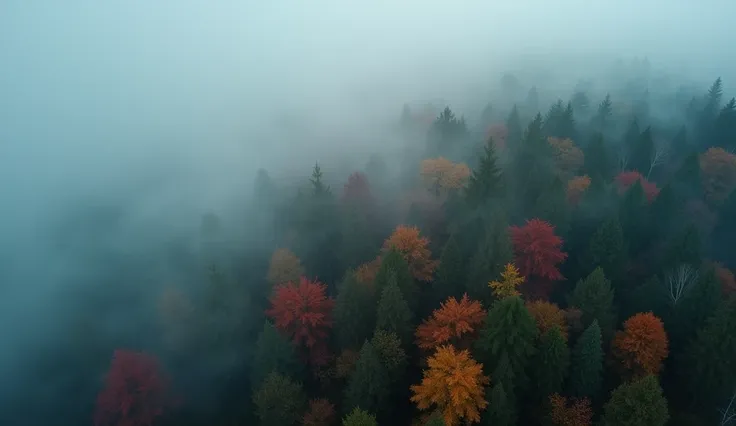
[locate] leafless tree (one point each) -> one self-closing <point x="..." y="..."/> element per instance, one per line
<point x="728" y="414"/>
<point x="679" y="281"/>
<point x="659" y="156"/>
<point x="623" y="159"/>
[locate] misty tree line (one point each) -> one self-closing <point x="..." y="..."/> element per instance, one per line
<point x="571" y="260"/>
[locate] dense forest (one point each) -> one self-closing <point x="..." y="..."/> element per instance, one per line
<point x="540" y="261"/>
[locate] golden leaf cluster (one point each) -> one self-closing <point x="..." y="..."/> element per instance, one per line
<point x="511" y="278"/>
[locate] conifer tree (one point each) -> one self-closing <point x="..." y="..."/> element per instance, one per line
<point x="637" y="403"/>
<point x="393" y="263"/>
<point x="603" y="115"/>
<point x="354" y="313"/>
<point x="634" y="219"/>
<point x="513" y="124"/>
<point x="450" y="276"/>
<point x="593" y="296"/>
<point x="501" y="410"/>
<point x="273" y="353"/>
<point x="587" y="363"/>
<point x="597" y="160"/>
<point x="606" y="250"/>
<point x="551" y="206"/>
<point x="550" y="363"/>
<point x="683" y="248"/>
<point x="359" y="417"/>
<point x="279" y="401"/>
<point x="393" y="314"/>
<point x="486" y="181"/>
<point x="368" y="385"/>
<point x="487" y="263"/>
<point x="641" y="153"/>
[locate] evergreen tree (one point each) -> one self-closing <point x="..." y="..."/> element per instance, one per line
<point x="552" y="206"/>
<point x="559" y="121"/>
<point x="551" y="363"/>
<point x="486" y="181"/>
<point x="279" y="401"/>
<point x="603" y="115"/>
<point x="587" y="363"/>
<point x="680" y="147"/>
<point x="273" y="353"/>
<point x="446" y="137"/>
<point x="665" y="209"/>
<point x="450" y="276"/>
<point x="606" y="250"/>
<point x="388" y="347"/>
<point x="698" y="303"/>
<point x="724" y="233"/>
<point x="580" y="102"/>
<point x="515" y="131"/>
<point x="359" y="417"/>
<point x="368" y="385"/>
<point x="393" y="263"/>
<point x="637" y="403"/>
<point x="634" y="219"/>
<point x="725" y="126"/>
<point x="510" y="329"/>
<point x="435" y="420"/>
<point x="709" y="113"/>
<point x="683" y="248"/>
<point x="642" y="152"/>
<point x="597" y="162"/>
<point x="486" y="116"/>
<point x="393" y="314"/>
<point x="686" y="180"/>
<point x="533" y="166"/>
<point x="354" y="313"/>
<point x="493" y="252"/>
<point x="531" y="104"/>
<point x="501" y="410"/>
<point x="594" y="297"/>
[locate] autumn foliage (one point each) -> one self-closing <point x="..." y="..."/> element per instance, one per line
<point x="321" y="413"/>
<point x="498" y="133"/>
<point x="576" y="187"/>
<point x="642" y="346"/>
<point x="441" y="175"/>
<point x="548" y="315"/>
<point x="414" y="249"/>
<point x="135" y="391"/>
<point x="576" y="412"/>
<point x="718" y="173"/>
<point x="454" y="384"/>
<point x="366" y="272"/>
<point x="568" y="157"/>
<point x="357" y="189"/>
<point x="303" y="312"/>
<point x="450" y="322"/>
<point x="537" y="250"/>
<point x="285" y="267"/>
<point x="510" y="280"/>
<point x="625" y="180"/>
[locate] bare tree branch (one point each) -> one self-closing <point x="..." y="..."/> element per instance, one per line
<point x="679" y="281"/>
<point x="729" y="413"/>
<point x="659" y="156"/>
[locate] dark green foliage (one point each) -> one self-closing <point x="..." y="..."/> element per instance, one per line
<point x="606" y="250"/>
<point x="359" y="417"/>
<point x="633" y="216"/>
<point x="450" y="275"/>
<point x="446" y="136"/>
<point x="229" y="317"/>
<point x="550" y="364"/>
<point x="533" y="167"/>
<point x="587" y="363"/>
<point x="392" y="355"/>
<point x="691" y="312"/>
<point x="687" y="177"/>
<point x="602" y="117"/>
<point x="665" y="210"/>
<point x="279" y="401"/>
<point x="515" y="131"/>
<point x="594" y="297"/>
<point x="684" y="248"/>
<point x="501" y="410"/>
<point x="393" y="314"/>
<point x="393" y="263"/>
<point x="724" y="132"/>
<point x="368" y="385"/>
<point x="580" y="102"/>
<point x="531" y="104"/>
<point x="552" y="206"/>
<point x="354" y="313"/>
<point x="637" y="403"/>
<point x="435" y="420"/>
<point x="724" y="233"/>
<point x="642" y="152"/>
<point x="273" y="353"/>
<point x="559" y="121"/>
<point x="508" y="329"/>
<point x="493" y="252"/>
<point x="598" y="165"/>
<point x="486" y="181"/>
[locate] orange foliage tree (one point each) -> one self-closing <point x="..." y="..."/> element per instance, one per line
<point x="568" y="157"/>
<point x="454" y="384"/>
<point x="366" y="273"/>
<point x="548" y="315"/>
<point x="642" y="345"/>
<point x="441" y="175"/>
<point x="321" y="413"/>
<point x="450" y="322"/>
<point x="285" y="267"/>
<point x="414" y="249"/>
<point x="510" y="280"/>
<point x="624" y="180"/>
<point x="718" y="173"/>
<point x="576" y="187"/>
<point x="577" y="412"/>
<point x="304" y="313"/>
<point x="537" y="252"/>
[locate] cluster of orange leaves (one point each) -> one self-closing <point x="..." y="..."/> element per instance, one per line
<point x="548" y="315"/>
<point x="576" y="187"/>
<point x="510" y="280"/>
<point x="642" y="345"/>
<point x="451" y="321"/>
<point x="454" y="384"/>
<point x="441" y="173"/>
<point x="366" y="273"/>
<point x="575" y="413"/>
<point x="624" y="180"/>
<point x="718" y="173"/>
<point x="284" y="267"/>
<point x="568" y="157"/>
<point x="414" y="249"/>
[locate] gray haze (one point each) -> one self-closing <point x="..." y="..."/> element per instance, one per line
<point x="169" y="107"/>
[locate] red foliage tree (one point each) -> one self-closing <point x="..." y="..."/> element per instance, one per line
<point x="624" y="180"/>
<point x="135" y="391"/>
<point x="453" y="320"/>
<point x="304" y="313"/>
<point x="321" y="413"/>
<point x="576" y="412"/>
<point x="537" y="252"/>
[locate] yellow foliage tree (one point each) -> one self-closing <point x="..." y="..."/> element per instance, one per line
<point x="548" y="315"/>
<point x="511" y="278"/>
<point x="568" y="157"/>
<point x="441" y="175"/>
<point x="285" y="267"/>
<point x="454" y="384"/>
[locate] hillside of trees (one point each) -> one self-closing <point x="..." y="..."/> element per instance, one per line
<point x="562" y="262"/>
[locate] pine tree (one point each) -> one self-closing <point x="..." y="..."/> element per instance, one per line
<point x="634" y="219"/>
<point x="368" y="385"/>
<point x="486" y="181"/>
<point x="552" y="206"/>
<point x="683" y="248"/>
<point x="450" y="277"/>
<point x="550" y="363"/>
<point x="501" y="410"/>
<point x="393" y="314"/>
<point x="606" y="250"/>
<point x="513" y="124"/>
<point x="641" y="152"/>
<point x="273" y="353"/>
<point x="593" y="296"/>
<point x="587" y="363"/>
<point x="359" y="417"/>
<point x="597" y="162"/>
<point x="493" y="252"/>
<point x="393" y="263"/>
<point x="603" y="115"/>
<point x="637" y="403"/>
<point x="354" y="313"/>
<point x="725" y="126"/>
<point x="279" y="401"/>
<point x="510" y="329"/>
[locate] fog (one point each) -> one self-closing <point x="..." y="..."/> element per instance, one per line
<point x="162" y="111"/>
